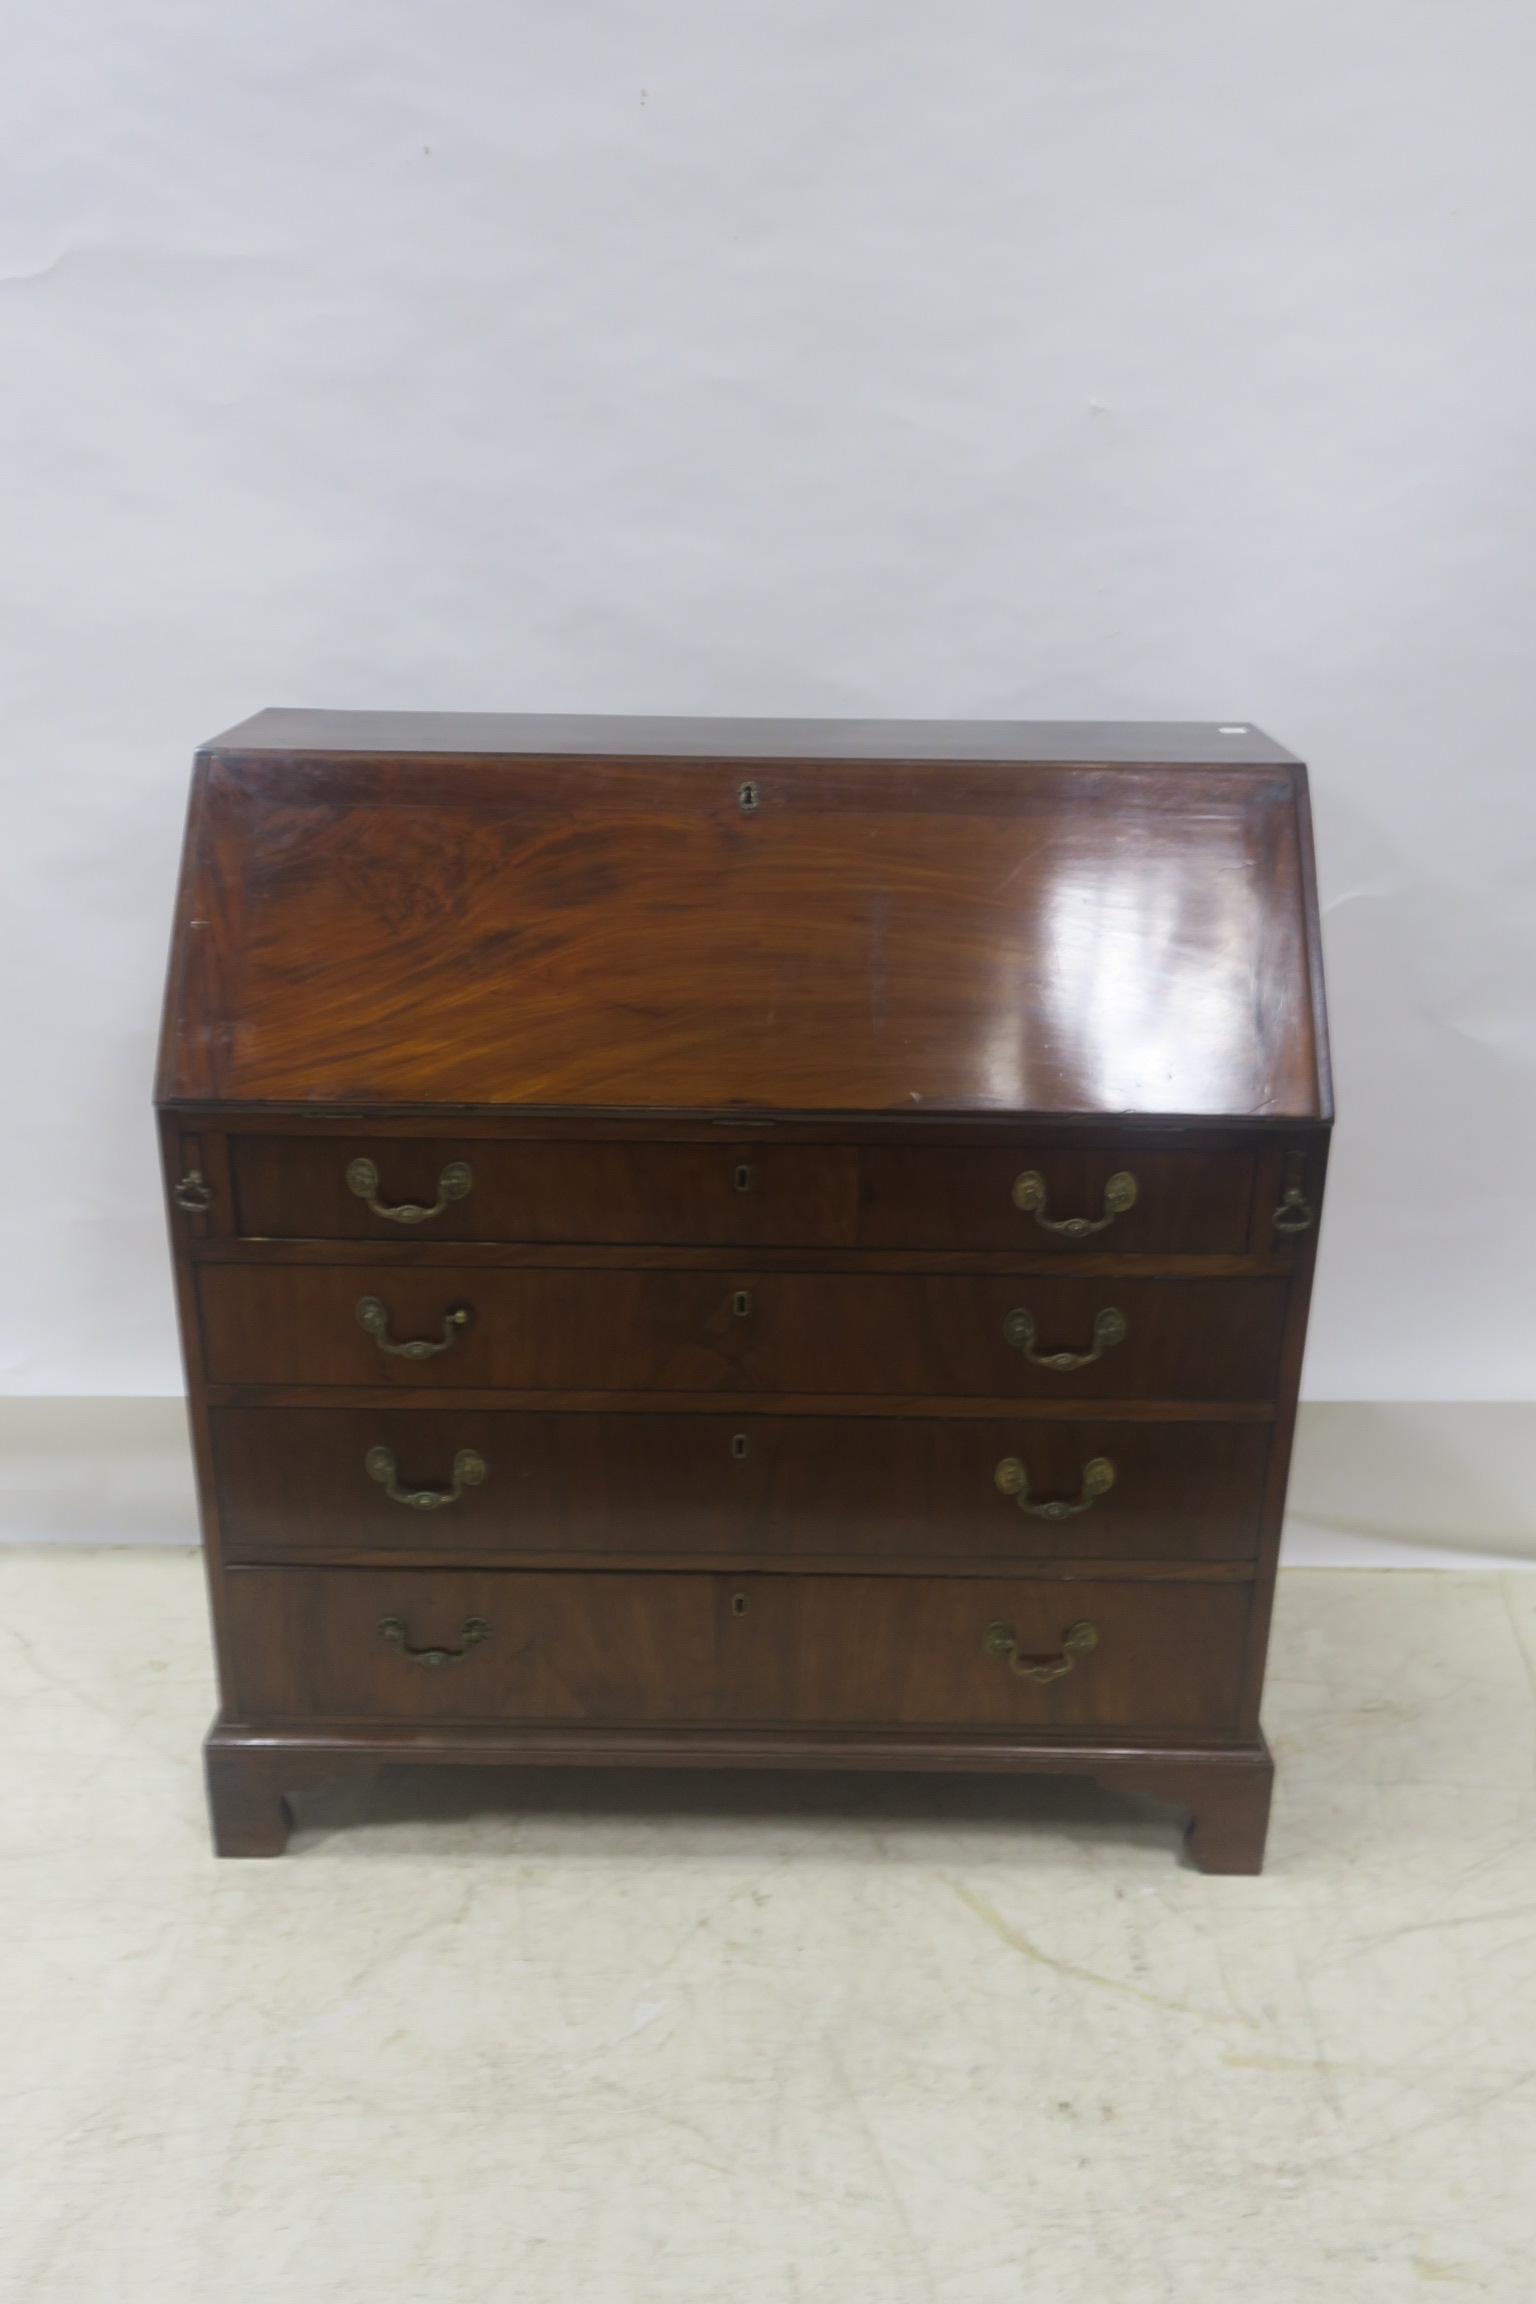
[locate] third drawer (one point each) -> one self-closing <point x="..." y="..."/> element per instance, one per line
<point x="294" y="1481"/>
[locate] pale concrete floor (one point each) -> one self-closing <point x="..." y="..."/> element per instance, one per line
<point x="638" y="2040"/>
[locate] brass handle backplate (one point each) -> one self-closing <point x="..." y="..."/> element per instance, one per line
<point x="1109" y="1327"/>
<point x="1098" y="1479"/>
<point x="469" y="1470"/>
<point x="1029" y="1195"/>
<point x="1001" y="1641"/>
<point x="453" y="1184"/>
<point x="194" y="1193"/>
<point x="372" y="1316"/>
<point x="392" y="1629"/>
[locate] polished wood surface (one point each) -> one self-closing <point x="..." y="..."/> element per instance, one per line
<point x="872" y="936"/>
<point x="739" y="1331"/>
<point x="748" y="1034"/>
<point x="753" y="1487"/>
<point x="743" y="1191"/>
<point x="902" y="1650"/>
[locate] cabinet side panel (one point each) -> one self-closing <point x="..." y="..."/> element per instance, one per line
<point x="1312" y="1149"/>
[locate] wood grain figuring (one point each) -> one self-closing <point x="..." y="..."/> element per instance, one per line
<point x="754" y="1487"/>
<point x="897" y="1650"/>
<point x="746" y="1032"/>
<point x="872" y="938"/>
<point x="739" y="1331"/>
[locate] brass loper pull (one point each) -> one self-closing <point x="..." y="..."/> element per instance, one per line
<point x="453" y="1184"/>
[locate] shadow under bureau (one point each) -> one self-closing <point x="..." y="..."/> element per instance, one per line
<point x="763" y="1243"/>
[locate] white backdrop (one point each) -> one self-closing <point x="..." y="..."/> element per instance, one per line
<point x="828" y="356"/>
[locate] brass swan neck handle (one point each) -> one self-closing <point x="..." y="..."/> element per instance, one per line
<point x="469" y="1471"/>
<point x="454" y="1183"/>
<point x="392" y="1630"/>
<point x="1109" y="1327"/>
<point x="1029" y="1194"/>
<point x="1000" y="1640"/>
<point x="372" y="1315"/>
<point x="1098" y="1479"/>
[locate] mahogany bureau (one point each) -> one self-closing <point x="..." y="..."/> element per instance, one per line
<point x="744" y="1243"/>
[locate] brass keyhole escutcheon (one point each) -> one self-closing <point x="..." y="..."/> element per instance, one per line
<point x="738" y="1603"/>
<point x="741" y="1303"/>
<point x="738" y="1445"/>
<point x="743" y="1178"/>
<point x="747" y="797"/>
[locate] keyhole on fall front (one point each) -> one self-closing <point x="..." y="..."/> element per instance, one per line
<point x="741" y="1303"/>
<point x="743" y="1178"/>
<point x="738" y="1603"/>
<point x="748" y="797"/>
<point x="738" y="1445"/>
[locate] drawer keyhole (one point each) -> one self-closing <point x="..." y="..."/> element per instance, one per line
<point x="741" y="1303"/>
<point x="747" y="795"/>
<point x="738" y="1603"/>
<point x="743" y="1178"/>
<point x="738" y="1445"/>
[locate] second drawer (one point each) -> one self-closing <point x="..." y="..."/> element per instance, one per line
<point x="947" y="1335"/>
<point x="292" y="1481"/>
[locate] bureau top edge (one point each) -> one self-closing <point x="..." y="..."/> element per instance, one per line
<point x="609" y="736"/>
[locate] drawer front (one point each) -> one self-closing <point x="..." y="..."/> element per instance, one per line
<point x="898" y="1650"/>
<point x="1038" y="1199"/>
<point x="730" y="1193"/>
<point x="747" y="1192"/>
<point x="944" y="1336"/>
<point x="294" y="1480"/>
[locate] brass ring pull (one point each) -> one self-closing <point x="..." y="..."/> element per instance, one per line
<point x="372" y="1316"/>
<point x="1294" y="1213"/>
<point x="194" y="1193"/>
<point x="469" y="1470"/>
<point x="393" y="1630"/>
<point x="1109" y="1327"/>
<point x="1029" y="1194"/>
<point x="1000" y="1640"/>
<point x="1098" y="1479"/>
<point x="453" y="1184"/>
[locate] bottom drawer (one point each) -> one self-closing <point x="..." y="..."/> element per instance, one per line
<point x="434" y="1644"/>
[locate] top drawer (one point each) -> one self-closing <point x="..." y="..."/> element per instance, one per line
<point x="743" y="1193"/>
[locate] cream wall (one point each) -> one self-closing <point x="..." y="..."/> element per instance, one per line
<point x="843" y="356"/>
